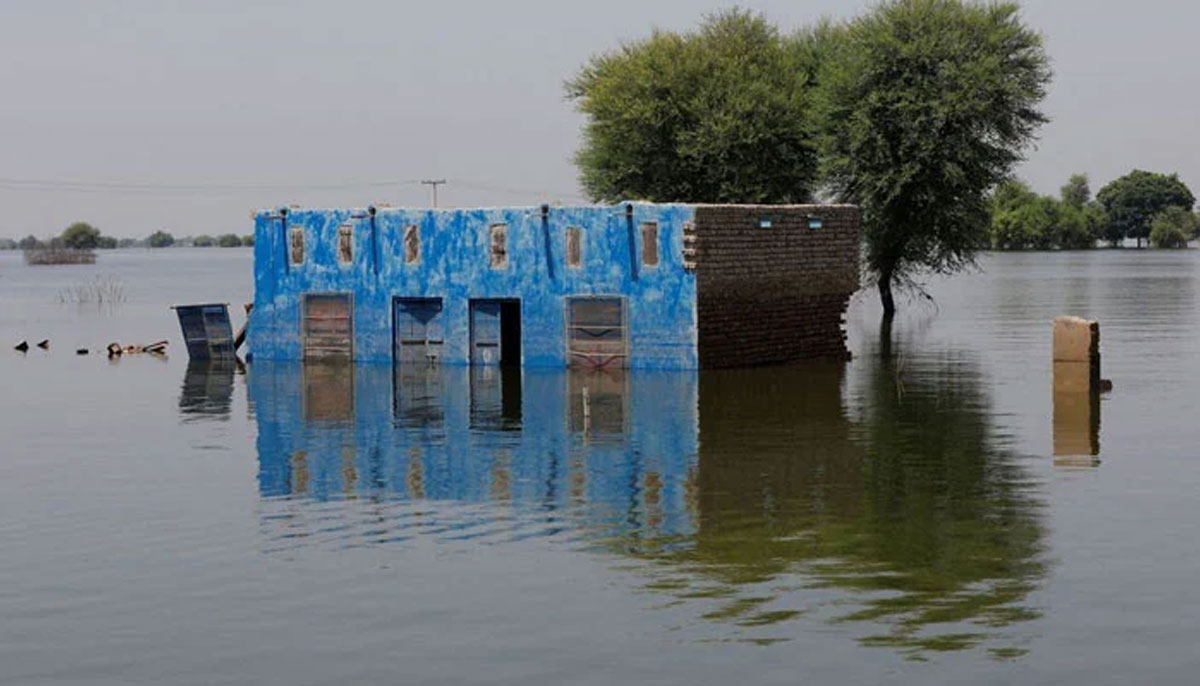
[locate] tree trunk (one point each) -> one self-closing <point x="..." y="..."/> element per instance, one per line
<point x="885" y="295"/>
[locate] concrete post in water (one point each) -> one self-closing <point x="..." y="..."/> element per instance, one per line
<point x="1077" y="388"/>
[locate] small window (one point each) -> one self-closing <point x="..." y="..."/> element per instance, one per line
<point x="345" y="244"/>
<point x="574" y="246"/>
<point x="499" y="242"/>
<point x="650" y="244"/>
<point x="296" y="254"/>
<point x="412" y="244"/>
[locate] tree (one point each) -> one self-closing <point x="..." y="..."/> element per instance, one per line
<point x="1076" y="193"/>
<point x="1134" y="200"/>
<point x="925" y="106"/>
<point x="248" y="240"/>
<point x="203" y="241"/>
<point x="7" y="244"/>
<point x="29" y="242"/>
<point x="106" y="242"/>
<point x="80" y="236"/>
<point x="721" y="114"/>
<point x="160" y="239"/>
<point x="229" y="240"/>
<point x="1172" y="228"/>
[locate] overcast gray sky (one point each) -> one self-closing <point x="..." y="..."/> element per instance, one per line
<point x="203" y="111"/>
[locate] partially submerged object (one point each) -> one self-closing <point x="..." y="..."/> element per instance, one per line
<point x="207" y="332"/>
<point x="155" y="348"/>
<point x="642" y="285"/>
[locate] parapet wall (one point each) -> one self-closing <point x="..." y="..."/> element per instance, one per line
<point x="773" y="282"/>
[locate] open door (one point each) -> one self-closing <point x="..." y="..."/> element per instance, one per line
<point x="495" y="332"/>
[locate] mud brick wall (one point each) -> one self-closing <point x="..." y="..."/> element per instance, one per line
<point x="770" y="287"/>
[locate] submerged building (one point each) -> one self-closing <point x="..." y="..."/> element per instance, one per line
<point x="631" y="285"/>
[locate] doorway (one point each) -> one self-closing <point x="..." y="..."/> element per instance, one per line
<point x="496" y="332"/>
<point x="417" y="330"/>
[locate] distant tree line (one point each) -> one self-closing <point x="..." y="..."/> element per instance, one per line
<point x="1140" y="206"/>
<point x="84" y="236"/>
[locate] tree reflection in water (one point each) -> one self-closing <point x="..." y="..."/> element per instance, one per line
<point x="764" y="498"/>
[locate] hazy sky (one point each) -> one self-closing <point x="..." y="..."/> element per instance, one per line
<point x="196" y="113"/>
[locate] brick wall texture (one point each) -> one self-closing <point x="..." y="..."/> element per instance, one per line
<point x="770" y="287"/>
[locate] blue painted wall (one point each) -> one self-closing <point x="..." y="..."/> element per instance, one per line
<point x="455" y="266"/>
<point x="631" y="472"/>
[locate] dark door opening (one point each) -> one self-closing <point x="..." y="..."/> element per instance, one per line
<point x="496" y="332"/>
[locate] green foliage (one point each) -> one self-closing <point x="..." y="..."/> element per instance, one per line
<point x="1172" y="228"/>
<point x="1134" y="200"/>
<point x="106" y="242"/>
<point x="203" y="241"/>
<point x="80" y="236"/>
<point x="160" y="239"/>
<point x="926" y="106"/>
<point x="721" y="114"/>
<point x="248" y="240"/>
<point x="229" y="240"/>
<point x="7" y="244"/>
<point x="1024" y="220"/>
<point x="1076" y="193"/>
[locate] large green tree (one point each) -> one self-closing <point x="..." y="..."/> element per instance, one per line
<point x="926" y="105"/>
<point x="1134" y="200"/>
<point x="720" y="114"/>
<point x="80" y="236"/>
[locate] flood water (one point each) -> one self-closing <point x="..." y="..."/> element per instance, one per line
<point x="902" y="516"/>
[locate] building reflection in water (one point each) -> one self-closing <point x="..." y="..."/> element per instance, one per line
<point x="207" y="392"/>
<point x="763" y="497"/>
<point x="1076" y="414"/>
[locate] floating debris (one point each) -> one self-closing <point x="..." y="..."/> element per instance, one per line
<point x="156" y="348"/>
<point x="21" y="347"/>
<point x="81" y="351"/>
<point x="45" y="344"/>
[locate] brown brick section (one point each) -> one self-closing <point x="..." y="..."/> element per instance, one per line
<point x="777" y="293"/>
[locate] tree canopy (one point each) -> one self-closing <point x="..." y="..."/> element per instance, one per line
<point x="80" y="236"/>
<point x="721" y="114"/>
<point x="160" y="239"/>
<point x="1024" y="220"/>
<point x="926" y="105"/>
<point x="1173" y="228"/>
<point x="1134" y="200"/>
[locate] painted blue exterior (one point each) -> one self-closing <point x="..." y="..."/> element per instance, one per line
<point x="454" y="265"/>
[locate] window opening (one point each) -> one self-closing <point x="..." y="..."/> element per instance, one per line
<point x="650" y="244"/>
<point x="345" y="244"/>
<point x="574" y="246"/>
<point x="499" y="246"/>
<point x="296" y="254"/>
<point x="412" y="244"/>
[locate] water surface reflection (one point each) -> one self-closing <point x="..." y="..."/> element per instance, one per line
<point x="750" y="501"/>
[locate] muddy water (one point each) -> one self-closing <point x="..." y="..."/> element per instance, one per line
<point x="903" y="516"/>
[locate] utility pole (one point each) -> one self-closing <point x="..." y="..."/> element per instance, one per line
<point x="435" y="183"/>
